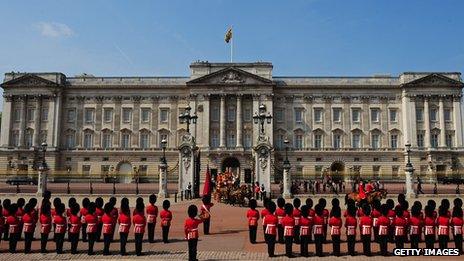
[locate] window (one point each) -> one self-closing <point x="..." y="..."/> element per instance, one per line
<point x="419" y="114"/>
<point x="395" y="159"/>
<point x="318" y="115"/>
<point x="433" y="114"/>
<point x="318" y="170"/>
<point x="145" y="115"/>
<point x="356" y="115"/>
<point x="394" y="141"/>
<point x="143" y="169"/>
<point x="89" y="115"/>
<point x="298" y="115"/>
<point x="375" y="159"/>
<point x="420" y="140"/>
<point x="449" y="140"/>
<point x="337" y="141"/>
<point x="318" y="159"/>
<point x="279" y="115"/>
<point x="29" y="138"/>
<point x="15" y="139"/>
<point x="298" y="141"/>
<point x="214" y="138"/>
<point x="43" y="136"/>
<point x="30" y="114"/>
<point x="88" y="140"/>
<point x="144" y="141"/>
<point x="231" y="114"/>
<point x="356" y="159"/>
<point x="375" y="115"/>
<point x="376" y="170"/>
<point x="246" y="114"/>
<point x="17" y="115"/>
<point x="318" y="141"/>
<point x="375" y="141"/>
<point x="356" y="141"/>
<point x="126" y="115"/>
<point x="107" y="115"/>
<point x="214" y="113"/>
<point x="448" y="115"/>
<point x="105" y="169"/>
<point x="280" y="141"/>
<point x="395" y="171"/>
<point x="106" y="141"/>
<point x="70" y="140"/>
<point x="434" y="140"/>
<point x="247" y="140"/>
<point x="125" y="140"/>
<point x="164" y="137"/>
<point x="393" y="115"/>
<point x="231" y="140"/>
<point x="71" y="115"/>
<point x="45" y="114"/>
<point x="86" y="169"/>
<point x="337" y="115"/>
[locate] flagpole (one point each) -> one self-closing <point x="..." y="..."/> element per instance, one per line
<point x="231" y="48"/>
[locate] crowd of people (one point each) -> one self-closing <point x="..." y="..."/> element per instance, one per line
<point x="93" y="222"/>
<point x="288" y="223"/>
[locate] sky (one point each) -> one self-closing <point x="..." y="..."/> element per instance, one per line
<point x="300" y="38"/>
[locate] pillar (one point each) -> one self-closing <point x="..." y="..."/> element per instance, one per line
<point x="457" y="120"/>
<point x="37" y="121"/>
<point x="441" y="111"/>
<point x="163" y="185"/>
<point x="287" y="183"/>
<point x="22" y="121"/>
<point x="409" y="170"/>
<point x="239" y="122"/>
<point x="6" y="120"/>
<point x="222" y="123"/>
<point x="427" y="123"/>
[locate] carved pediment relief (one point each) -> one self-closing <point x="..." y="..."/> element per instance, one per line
<point x="29" y="80"/>
<point x="230" y="76"/>
<point x="435" y="79"/>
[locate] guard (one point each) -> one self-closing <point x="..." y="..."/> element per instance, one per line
<point x="429" y="230"/>
<point x="28" y="228"/>
<point x="206" y="213"/>
<point x="191" y="231"/>
<point x="270" y="222"/>
<point x="140" y="222"/>
<point x="166" y="218"/>
<point x="296" y="216"/>
<point x="384" y="224"/>
<point x="335" y="223"/>
<point x="74" y="227"/>
<point x="305" y="230"/>
<point x="280" y="213"/>
<point x="351" y="225"/>
<point x="365" y="225"/>
<point x="443" y="227"/>
<point x="152" y="213"/>
<point x="456" y="224"/>
<point x="45" y="225"/>
<point x="252" y="216"/>
<point x="13" y="225"/>
<point x="318" y="229"/>
<point x="415" y="226"/>
<point x="91" y="221"/>
<point x="288" y="223"/>
<point x="60" y="227"/>
<point x="124" y="220"/>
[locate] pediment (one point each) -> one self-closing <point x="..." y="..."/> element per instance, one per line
<point x="29" y="80"/>
<point x="230" y="76"/>
<point x="435" y="79"/>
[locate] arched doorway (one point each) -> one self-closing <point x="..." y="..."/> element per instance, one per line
<point x="231" y="164"/>
<point x="337" y="169"/>
<point x="125" y="172"/>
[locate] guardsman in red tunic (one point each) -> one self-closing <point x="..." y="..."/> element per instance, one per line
<point x="264" y="212"/>
<point x="311" y="214"/>
<point x="443" y="222"/>
<point x="351" y="223"/>
<point x="139" y="221"/>
<point x="288" y="222"/>
<point x="166" y="218"/>
<point x="83" y="213"/>
<point x="152" y="213"/>
<point x="365" y="227"/>
<point x="124" y="220"/>
<point x="99" y="212"/>
<point x="60" y="227"/>
<point x="34" y="213"/>
<point x="13" y="225"/>
<point x="28" y="228"/>
<point x="107" y="228"/>
<point x="318" y="229"/>
<point x="5" y="214"/>
<point x="391" y="216"/>
<point x="415" y="226"/>
<point x="206" y="211"/>
<point x="91" y="221"/>
<point x="45" y="225"/>
<point x="456" y="224"/>
<point x="114" y="214"/>
<point x="400" y="225"/>
<point x="74" y="227"/>
<point x="20" y="213"/>
<point x="429" y="226"/>
<point x="2" y="222"/>
<point x="296" y="215"/>
<point x="191" y="231"/>
<point x="325" y="214"/>
<point x="270" y="222"/>
<point x="335" y="223"/>
<point x="384" y="224"/>
<point x="252" y="218"/>
<point x="305" y="230"/>
<point x="375" y="214"/>
<point x="280" y="214"/>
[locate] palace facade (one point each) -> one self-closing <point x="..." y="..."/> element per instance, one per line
<point x="339" y="126"/>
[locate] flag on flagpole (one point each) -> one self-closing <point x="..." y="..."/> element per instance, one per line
<point x="207" y="187"/>
<point x="228" y="35"/>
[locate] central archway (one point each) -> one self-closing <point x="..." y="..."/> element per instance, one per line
<point x="124" y="172"/>
<point x="337" y="169"/>
<point x="232" y="164"/>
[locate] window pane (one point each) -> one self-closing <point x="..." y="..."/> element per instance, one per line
<point x="318" y="115"/>
<point x="45" y="114"/>
<point x="231" y="114"/>
<point x="145" y="115"/>
<point x="393" y="114"/>
<point x="126" y="115"/>
<point x="447" y="115"/>
<point x="337" y="115"/>
<point x="419" y="114"/>
<point x="108" y="115"/>
<point x="355" y="115"/>
<point x="298" y="115"/>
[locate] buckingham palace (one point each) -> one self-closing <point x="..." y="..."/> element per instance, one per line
<point x="339" y="126"/>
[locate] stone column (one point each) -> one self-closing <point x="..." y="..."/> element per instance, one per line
<point x="98" y="122"/>
<point x="256" y="127"/>
<point x="409" y="170"/>
<point x="427" y="123"/>
<point x="37" y="121"/>
<point x="57" y="122"/>
<point x="135" y="124"/>
<point x="365" y="123"/>
<point x="222" y="123"/>
<point x="80" y="121"/>
<point x="22" y="121"/>
<point x="239" y="122"/>
<point x="6" y="120"/>
<point x="287" y="183"/>
<point x="117" y="121"/>
<point x="441" y="116"/>
<point x="163" y="185"/>
<point x="327" y="122"/>
<point x="457" y="120"/>
<point x="204" y="119"/>
<point x="51" y="119"/>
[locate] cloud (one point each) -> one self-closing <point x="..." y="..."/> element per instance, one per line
<point x="52" y="29"/>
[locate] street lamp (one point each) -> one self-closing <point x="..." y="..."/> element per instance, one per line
<point x="187" y="118"/>
<point x="114" y="179"/>
<point x="408" y="151"/>
<point x="164" y="143"/>
<point x="261" y="117"/>
<point x="286" y="161"/>
<point x="136" y="174"/>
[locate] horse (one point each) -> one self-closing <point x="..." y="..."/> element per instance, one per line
<point x="378" y="194"/>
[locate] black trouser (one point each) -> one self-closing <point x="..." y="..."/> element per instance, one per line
<point x="206" y="224"/>
<point x="336" y="245"/>
<point x="383" y="241"/>
<point x="318" y="240"/>
<point x="366" y="240"/>
<point x="288" y="245"/>
<point x="429" y="241"/>
<point x="106" y="244"/>
<point x="296" y="237"/>
<point x="280" y="234"/>
<point x="415" y="241"/>
<point x="376" y="234"/>
<point x="165" y="230"/>
<point x="325" y="233"/>
<point x="151" y="232"/>
<point x="28" y="241"/>
<point x="74" y="239"/>
<point x="351" y="241"/>
<point x="13" y="242"/>
<point x="458" y="242"/>
<point x="399" y="241"/>
<point x="270" y="241"/>
<point x="443" y="242"/>
<point x="84" y="232"/>
<point x="92" y="237"/>
<point x="192" y="245"/>
<point x="59" y="240"/>
<point x="123" y="242"/>
<point x="99" y="231"/>
<point x="138" y="243"/>
<point x="253" y="230"/>
<point x="43" y="242"/>
<point x="7" y="230"/>
<point x="304" y="240"/>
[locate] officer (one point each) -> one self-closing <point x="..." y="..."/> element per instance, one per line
<point x="152" y="213"/>
<point x="99" y="212"/>
<point x="166" y="217"/>
<point x="140" y="222"/>
<point x="415" y="226"/>
<point x="206" y="212"/>
<point x="351" y="223"/>
<point x="28" y="228"/>
<point x="318" y="229"/>
<point x="252" y="216"/>
<point x="443" y="227"/>
<point x="107" y="228"/>
<point x="429" y="223"/>
<point x="60" y="227"/>
<point x="13" y="225"/>
<point x="124" y="220"/>
<point x="83" y="212"/>
<point x="191" y="231"/>
<point x="280" y="213"/>
<point x="288" y="223"/>
<point x="305" y="230"/>
<point x="270" y="222"/>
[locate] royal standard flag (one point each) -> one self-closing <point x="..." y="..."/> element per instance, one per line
<point x="228" y="36"/>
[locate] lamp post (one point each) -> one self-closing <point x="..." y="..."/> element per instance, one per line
<point x="163" y="168"/>
<point x="187" y="118"/>
<point x="113" y="178"/>
<point x="261" y="117"/>
<point x="164" y="143"/>
<point x="409" y="170"/>
<point x="286" y="166"/>
<point x="136" y="175"/>
<point x="42" y="180"/>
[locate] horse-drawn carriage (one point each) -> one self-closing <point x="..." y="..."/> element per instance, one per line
<point x="229" y="191"/>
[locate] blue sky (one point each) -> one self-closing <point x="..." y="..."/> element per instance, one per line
<point x="312" y="37"/>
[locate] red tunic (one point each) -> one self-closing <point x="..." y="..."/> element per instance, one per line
<point x="28" y="221"/>
<point x="415" y="225"/>
<point x="99" y="213"/>
<point x="391" y="216"/>
<point x="305" y="226"/>
<point x="400" y="224"/>
<point x="384" y="224"/>
<point x="191" y="228"/>
<point x="124" y="223"/>
<point x="264" y="212"/>
<point x="152" y="213"/>
<point x="13" y="224"/>
<point x="335" y="224"/>
<point x="19" y="214"/>
<point x="360" y="213"/>
<point x="456" y="224"/>
<point x="91" y="221"/>
<point x="139" y="221"/>
<point x="2" y="224"/>
<point x="280" y="214"/>
<point x="288" y="222"/>
<point x="35" y="215"/>
<point x="351" y="223"/>
<point x="270" y="222"/>
<point x="443" y="225"/>
<point x="365" y="225"/>
<point x="252" y="216"/>
<point x="375" y="217"/>
<point x="83" y="213"/>
<point x="114" y="214"/>
<point x="318" y="222"/>
<point x="429" y="224"/>
<point x="108" y="224"/>
<point x="296" y="215"/>
<point x="60" y="224"/>
<point x="45" y="223"/>
<point x="325" y="214"/>
<point x="75" y="224"/>
<point x="166" y="218"/>
<point x="206" y="208"/>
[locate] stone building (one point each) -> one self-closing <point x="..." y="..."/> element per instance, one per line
<point x="338" y="126"/>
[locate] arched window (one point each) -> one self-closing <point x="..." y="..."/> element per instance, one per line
<point x="337" y="139"/>
<point x="29" y="138"/>
<point x="375" y="139"/>
<point x="70" y="139"/>
<point x="88" y="139"/>
<point x="298" y="141"/>
<point x="125" y="139"/>
<point x="107" y="139"/>
<point x="356" y="139"/>
<point x="318" y="138"/>
<point x="144" y="139"/>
